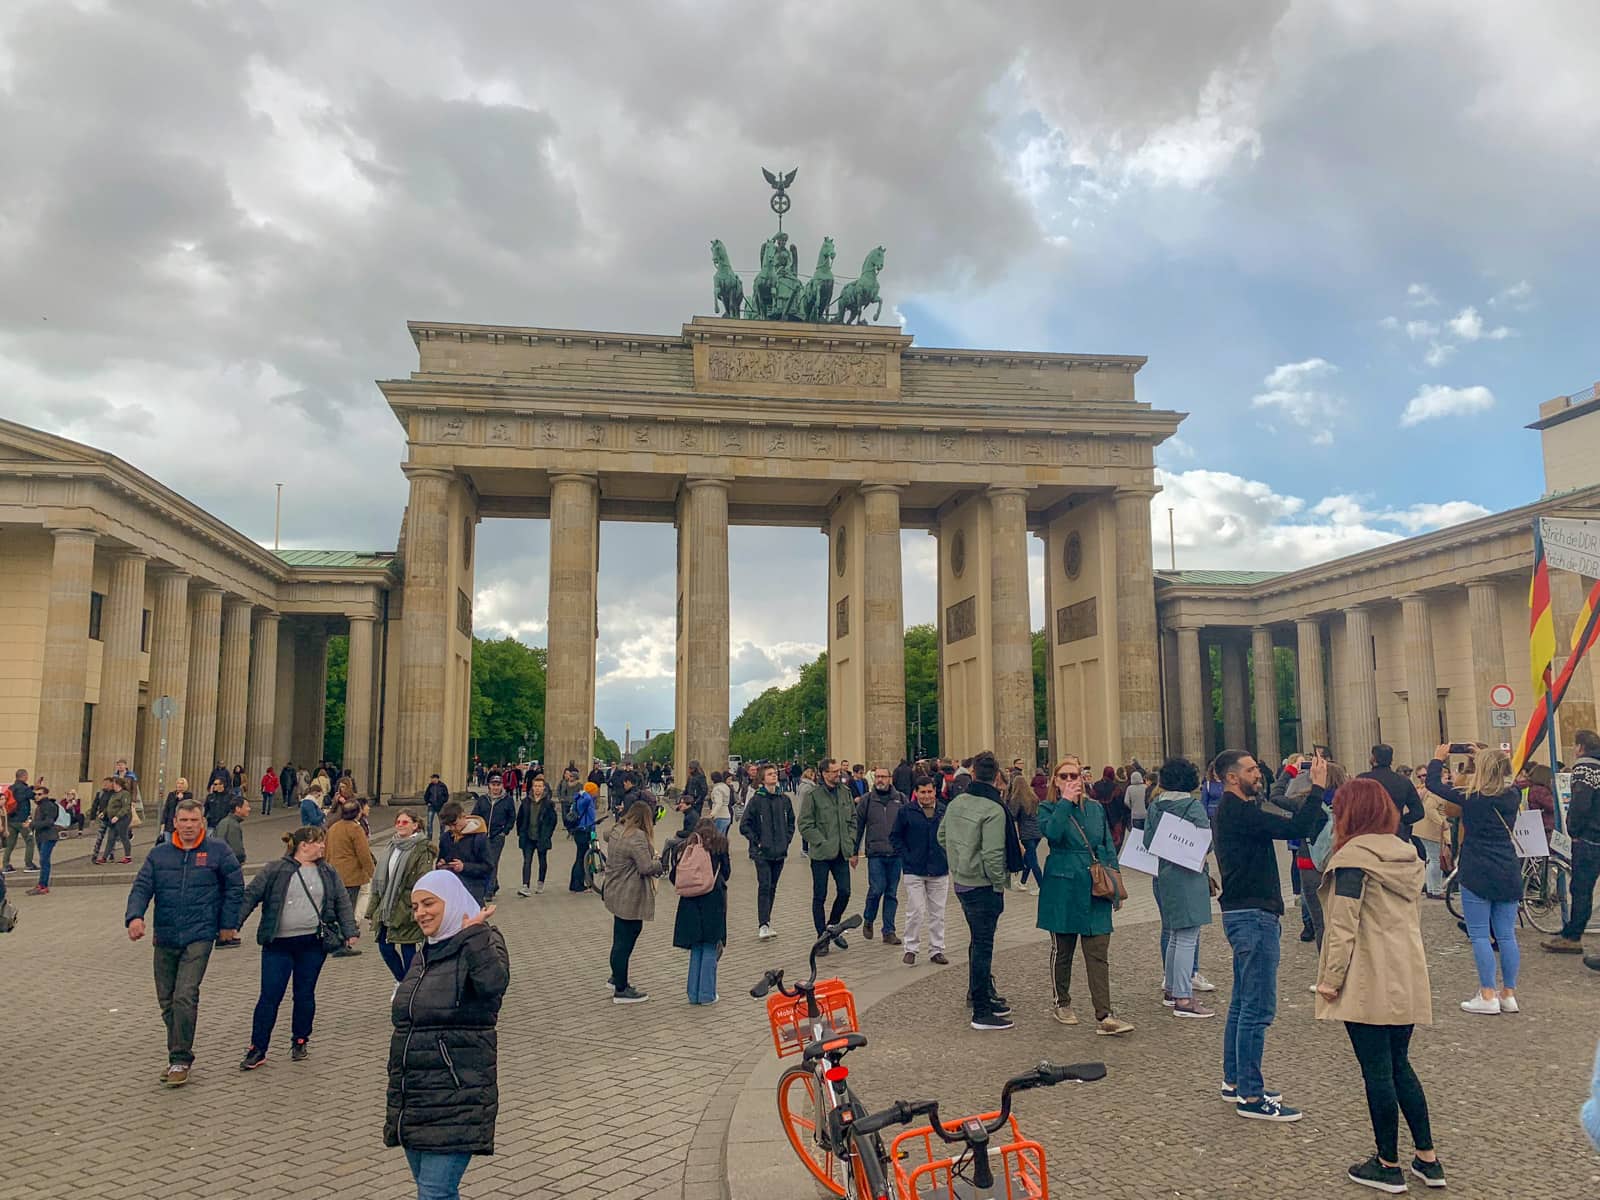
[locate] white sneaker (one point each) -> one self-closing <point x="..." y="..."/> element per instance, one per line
<point x="1509" y="1004"/>
<point x="765" y="933"/>
<point x="538" y="888"/>
<point x="523" y="892"/>
<point x="1487" y="1008"/>
<point x="1200" y="983"/>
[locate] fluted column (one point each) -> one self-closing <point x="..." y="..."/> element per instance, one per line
<point x="1235" y="695"/>
<point x="263" y="699"/>
<point x="1363" y="686"/>
<point x="883" y="641"/>
<point x="116" y="716"/>
<point x="358" y="703"/>
<point x="169" y="676"/>
<point x="284" y="710"/>
<point x="205" y="659"/>
<point x="1578" y="710"/>
<point x="1137" y="638"/>
<point x="1192" y="695"/>
<point x="233" y="687"/>
<point x="703" y="589"/>
<point x="569" y="696"/>
<point x="311" y="691"/>
<point x="1012" y="640"/>
<point x="64" y="676"/>
<point x="1488" y="651"/>
<point x="425" y="632"/>
<point x="1313" y="693"/>
<point x="1266" y="689"/>
<point x="1422" y="686"/>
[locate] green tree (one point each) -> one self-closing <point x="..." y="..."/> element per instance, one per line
<point x="508" y="684"/>
<point x="333" y="705"/>
<point x="922" y="688"/>
<point x="658" y="749"/>
<point x="605" y="749"/>
<point x="759" y="731"/>
<point x="1041" y="697"/>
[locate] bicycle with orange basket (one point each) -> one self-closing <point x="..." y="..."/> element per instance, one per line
<point x="840" y="1145"/>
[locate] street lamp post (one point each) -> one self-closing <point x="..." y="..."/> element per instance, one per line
<point x="802" y="741"/>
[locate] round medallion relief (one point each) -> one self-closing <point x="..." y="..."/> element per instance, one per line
<point x="958" y="553"/>
<point x="1072" y="555"/>
<point x="841" y="553"/>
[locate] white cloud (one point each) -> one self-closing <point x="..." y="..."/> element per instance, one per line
<point x="1439" y="353"/>
<point x="1434" y="401"/>
<point x="1296" y="390"/>
<point x="1416" y="330"/>
<point x="1175" y="448"/>
<point x="1468" y="326"/>
<point x="1420" y="295"/>
<point x="1518" y="296"/>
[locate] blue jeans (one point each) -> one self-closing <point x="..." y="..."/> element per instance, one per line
<point x="722" y="824"/>
<point x="1433" y="880"/>
<point x="1030" y="861"/>
<point x="1180" y="951"/>
<point x="1256" y="939"/>
<point x="298" y="958"/>
<point x="46" y="852"/>
<point x="397" y="957"/>
<point x="883" y="883"/>
<point x="1482" y="916"/>
<point x="1166" y="936"/>
<point x="438" y="1176"/>
<point x="703" y="972"/>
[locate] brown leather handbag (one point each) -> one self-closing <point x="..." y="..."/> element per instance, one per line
<point x="1105" y="883"/>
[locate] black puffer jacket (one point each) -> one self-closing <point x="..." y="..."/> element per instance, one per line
<point x="443" y="1093"/>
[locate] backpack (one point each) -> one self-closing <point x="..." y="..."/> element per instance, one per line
<point x="696" y="875"/>
<point x="11" y="801"/>
<point x="1013" y="842"/>
<point x="1322" y="844"/>
<point x="571" y="819"/>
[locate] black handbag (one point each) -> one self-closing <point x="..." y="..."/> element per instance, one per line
<point x="328" y="932"/>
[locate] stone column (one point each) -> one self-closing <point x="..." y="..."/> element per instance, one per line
<point x="884" y="638"/>
<point x="569" y="703"/>
<point x="1051" y="718"/>
<point x="1011" y="638"/>
<point x="1313" y="694"/>
<point x="424" y="642"/>
<point x="703" y="558"/>
<point x="116" y="717"/>
<point x="1577" y="711"/>
<point x="1235" y="694"/>
<point x="205" y="654"/>
<point x="1192" y="697"/>
<point x="169" y="676"/>
<point x="1422" y="687"/>
<point x="1137" y="689"/>
<point x="1489" y="653"/>
<point x="263" y="699"/>
<point x="284" y="708"/>
<point x="1266" y="688"/>
<point x="64" y="676"/>
<point x="233" y="687"/>
<point x="311" y="691"/>
<point x="1363" y="684"/>
<point x="358" y="703"/>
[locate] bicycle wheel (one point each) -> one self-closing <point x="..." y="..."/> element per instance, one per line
<point x="1452" y="894"/>
<point x="799" y="1113"/>
<point x="1544" y="903"/>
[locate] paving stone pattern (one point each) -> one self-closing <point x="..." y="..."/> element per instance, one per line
<point x="627" y="1102"/>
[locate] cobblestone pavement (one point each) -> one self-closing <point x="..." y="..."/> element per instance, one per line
<point x="630" y="1102"/>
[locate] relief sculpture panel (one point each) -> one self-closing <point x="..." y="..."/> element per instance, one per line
<point x="802" y="367"/>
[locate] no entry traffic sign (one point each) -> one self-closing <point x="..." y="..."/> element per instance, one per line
<point x="1501" y="695"/>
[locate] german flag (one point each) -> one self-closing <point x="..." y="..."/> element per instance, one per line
<point x="1541" y="624"/>
<point x="1585" y="632"/>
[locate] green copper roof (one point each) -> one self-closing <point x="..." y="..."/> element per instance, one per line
<point x="335" y="559"/>
<point x="1218" y="578"/>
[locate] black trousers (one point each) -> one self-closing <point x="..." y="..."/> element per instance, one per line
<point x="527" y="863"/>
<point x="624" y="936"/>
<point x="580" y="838"/>
<point x="767" y="872"/>
<point x="1392" y="1086"/>
<point x="982" y="908"/>
<point x="1585" y="871"/>
<point x="821" y="869"/>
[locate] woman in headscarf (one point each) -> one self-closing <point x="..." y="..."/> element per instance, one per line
<point x="443" y="1094"/>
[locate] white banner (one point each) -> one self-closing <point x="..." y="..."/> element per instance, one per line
<point x="1135" y="857"/>
<point x="1179" y="842"/>
<point x="1528" y="834"/>
<point x="1571" y="545"/>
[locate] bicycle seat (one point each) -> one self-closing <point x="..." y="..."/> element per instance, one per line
<point x="842" y="1044"/>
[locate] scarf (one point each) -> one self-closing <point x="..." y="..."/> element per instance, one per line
<point x="385" y="885"/>
<point x="458" y="902"/>
<point x="177" y="840"/>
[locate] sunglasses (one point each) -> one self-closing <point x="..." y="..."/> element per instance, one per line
<point x="1069" y="775"/>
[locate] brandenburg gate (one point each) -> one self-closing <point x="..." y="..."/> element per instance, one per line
<point x="846" y="428"/>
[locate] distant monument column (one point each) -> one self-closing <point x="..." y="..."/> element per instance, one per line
<point x="263" y="699"/>
<point x="233" y="688"/>
<point x="64" y="676"/>
<point x="1009" y="624"/>
<point x="569" y="669"/>
<point x="1577" y="709"/>
<point x="1191" y="695"/>
<point x="702" y="693"/>
<point x="116" y="717"/>
<point x="1488" y="652"/>
<point x="1265" y="675"/>
<point x="169" y="676"/>
<point x="205" y="651"/>
<point x="1313" y="694"/>
<point x="1363" y="685"/>
<point x="425" y="631"/>
<point x="883" y="627"/>
<point x="1137" y="635"/>
<point x="1422" y="686"/>
<point x="1235" y="695"/>
<point x="358" y="703"/>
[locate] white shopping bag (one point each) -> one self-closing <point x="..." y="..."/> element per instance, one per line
<point x="1528" y="835"/>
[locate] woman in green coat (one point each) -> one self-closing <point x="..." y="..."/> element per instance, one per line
<point x="408" y="857"/>
<point x="1079" y="835"/>
<point x="1182" y="895"/>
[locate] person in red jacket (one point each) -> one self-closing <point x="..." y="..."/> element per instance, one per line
<point x="269" y="791"/>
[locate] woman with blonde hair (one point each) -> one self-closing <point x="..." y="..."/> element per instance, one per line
<point x="630" y="892"/>
<point x="1490" y="872"/>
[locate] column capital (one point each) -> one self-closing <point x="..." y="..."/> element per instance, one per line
<point x="699" y="481"/>
<point x="1356" y="608"/>
<point x="73" y="531"/>
<point x="1136" y="491"/>
<point x="877" y="485"/>
<point x="1412" y="597"/>
<point x="1008" y="489"/>
<point x="1490" y="584"/>
<point x="200" y="587"/>
<point x="358" y="616"/>
<point x="168" y="571"/>
<point x="259" y="613"/>
<point x="128" y="554"/>
<point x="422" y="471"/>
<point x="1302" y="622"/>
<point x="575" y="477"/>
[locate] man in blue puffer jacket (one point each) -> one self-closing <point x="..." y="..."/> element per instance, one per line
<point x="198" y="889"/>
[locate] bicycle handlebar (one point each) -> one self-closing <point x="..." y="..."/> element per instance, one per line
<point x="774" y="979"/>
<point x="1046" y="1074"/>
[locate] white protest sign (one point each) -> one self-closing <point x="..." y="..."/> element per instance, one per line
<point x="1571" y="545"/>
<point x="1181" y="843"/>
<point x="1135" y="857"/>
<point x="1528" y="834"/>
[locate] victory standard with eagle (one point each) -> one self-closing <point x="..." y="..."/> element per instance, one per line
<point x="778" y="293"/>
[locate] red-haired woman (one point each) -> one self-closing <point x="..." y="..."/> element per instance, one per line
<point x="1373" y="974"/>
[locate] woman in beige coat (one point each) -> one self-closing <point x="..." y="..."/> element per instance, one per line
<point x="630" y="892"/>
<point x="1373" y="974"/>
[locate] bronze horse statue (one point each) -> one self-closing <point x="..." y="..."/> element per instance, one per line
<point x="727" y="289"/>
<point x="862" y="291"/>
<point x="817" y="298"/>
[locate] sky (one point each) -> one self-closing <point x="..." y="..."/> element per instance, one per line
<point x="1356" y="240"/>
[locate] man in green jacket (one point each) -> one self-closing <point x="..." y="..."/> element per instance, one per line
<point x="828" y="825"/>
<point x="973" y="835"/>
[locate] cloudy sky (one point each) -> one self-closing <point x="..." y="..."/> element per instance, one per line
<point x="1357" y="241"/>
